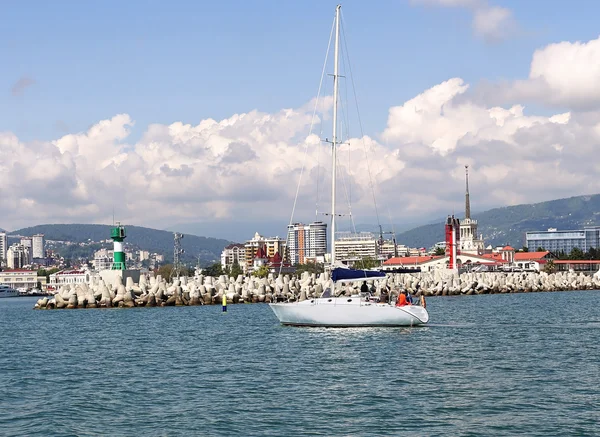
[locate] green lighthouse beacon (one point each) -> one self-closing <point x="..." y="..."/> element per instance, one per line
<point x="117" y="234"/>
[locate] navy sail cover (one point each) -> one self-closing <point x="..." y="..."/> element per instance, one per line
<point x="340" y="274"/>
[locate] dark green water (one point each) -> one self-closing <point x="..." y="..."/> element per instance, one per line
<point x="522" y="364"/>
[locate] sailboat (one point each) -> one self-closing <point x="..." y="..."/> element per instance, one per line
<point x="345" y="311"/>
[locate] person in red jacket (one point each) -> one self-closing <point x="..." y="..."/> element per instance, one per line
<point x="401" y="299"/>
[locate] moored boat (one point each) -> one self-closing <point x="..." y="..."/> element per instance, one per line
<point x="8" y="291"/>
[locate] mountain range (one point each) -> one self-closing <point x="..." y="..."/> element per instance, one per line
<point x="153" y="240"/>
<point x="508" y="225"/>
<point x="499" y="226"/>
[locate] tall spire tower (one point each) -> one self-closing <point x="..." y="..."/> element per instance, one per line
<point x="467" y="201"/>
<point x="470" y="242"/>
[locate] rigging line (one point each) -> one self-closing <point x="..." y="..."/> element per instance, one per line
<point x="345" y="185"/>
<point x="321" y="122"/>
<point x="388" y="205"/>
<point x="362" y="135"/>
<point x="346" y="118"/>
<point x="312" y="122"/>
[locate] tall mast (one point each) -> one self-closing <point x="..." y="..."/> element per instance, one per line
<point x="334" y="139"/>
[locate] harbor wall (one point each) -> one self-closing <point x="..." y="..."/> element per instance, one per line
<point x="206" y="290"/>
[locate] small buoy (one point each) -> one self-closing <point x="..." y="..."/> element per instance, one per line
<point x="224" y="303"/>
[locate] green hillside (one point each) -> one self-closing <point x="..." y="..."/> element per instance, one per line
<point x="508" y="225"/>
<point x="153" y="240"/>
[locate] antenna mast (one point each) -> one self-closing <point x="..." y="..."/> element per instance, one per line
<point x="467" y="200"/>
<point x="177" y="250"/>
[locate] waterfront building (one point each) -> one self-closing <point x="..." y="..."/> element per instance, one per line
<point x="557" y="241"/>
<point x="21" y="279"/>
<point x="3" y="248"/>
<point x="470" y="242"/>
<point x="532" y="261"/>
<point x="306" y="242"/>
<point x="38" y="246"/>
<point x="429" y="263"/>
<point x="578" y="265"/>
<point x="352" y="247"/>
<point x="272" y="245"/>
<point x="144" y="255"/>
<point x="234" y="253"/>
<point x="70" y="276"/>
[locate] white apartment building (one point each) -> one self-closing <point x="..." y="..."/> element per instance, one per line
<point x="388" y="250"/>
<point x="103" y="259"/>
<point x="234" y="253"/>
<point x="39" y="246"/>
<point x="17" y="256"/>
<point x="65" y="277"/>
<point x="350" y="247"/>
<point x="27" y="243"/>
<point x="306" y="242"/>
<point x="144" y="255"/>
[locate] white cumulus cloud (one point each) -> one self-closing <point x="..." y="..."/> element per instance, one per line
<point x="492" y="23"/>
<point x="564" y="74"/>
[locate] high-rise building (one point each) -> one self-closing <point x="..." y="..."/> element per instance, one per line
<point x="39" y="246"/>
<point x="17" y="256"/>
<point x="306" y="242"/>
<point x="3" y="247"/>
<point x="27" y="243"/>
<point x="469" y="241"/>
<point x="271" y="245"/>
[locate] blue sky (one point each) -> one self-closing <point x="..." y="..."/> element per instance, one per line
<point x="70" y="67"/>
<point x="184" y="61"/>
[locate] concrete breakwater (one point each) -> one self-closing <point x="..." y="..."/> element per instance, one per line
<point x="200" y="290"/>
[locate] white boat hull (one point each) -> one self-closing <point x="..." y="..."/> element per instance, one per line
<point x="9" y="293"/>
<point x="348" y="312"/>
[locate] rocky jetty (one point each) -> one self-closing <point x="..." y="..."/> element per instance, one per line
<point x="206" y="290"/>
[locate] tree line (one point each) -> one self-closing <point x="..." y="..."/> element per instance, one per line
<point x="576" y="254"/>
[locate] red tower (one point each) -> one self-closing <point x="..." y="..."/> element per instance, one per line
<point x="452" y="241"/>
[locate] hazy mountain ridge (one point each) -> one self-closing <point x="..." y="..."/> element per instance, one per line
<point x="153" y="240"/>
<point x="508" y="225"/>
<point x="499" y="226"/>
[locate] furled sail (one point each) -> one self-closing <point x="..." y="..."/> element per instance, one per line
<point x="351" y="275"/>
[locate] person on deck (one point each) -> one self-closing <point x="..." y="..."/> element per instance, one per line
<point x="409" y="298"/>
<point x="383" y="297"/>
<point x="401" y="299"/>
<point x="364" y="288"/>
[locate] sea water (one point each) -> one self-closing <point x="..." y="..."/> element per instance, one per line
<point x="514" y="364"/>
